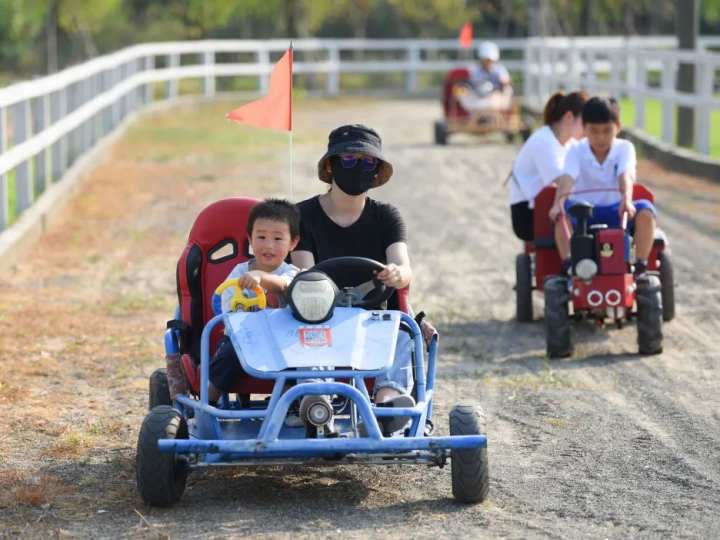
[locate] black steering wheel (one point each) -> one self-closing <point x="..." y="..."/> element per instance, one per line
<point x="355" y="277"/>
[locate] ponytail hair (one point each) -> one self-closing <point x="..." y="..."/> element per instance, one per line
<point x="560" y="103"/>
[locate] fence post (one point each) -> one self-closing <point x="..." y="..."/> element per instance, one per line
<point x="333" y="76"/>
<point x="37" y="112"/>
<point x="668" y="103"/>
<point x="4" y="195"/>
<point x="209" y="61"/>
<point x="705" y="73"/>
<point x="263" y="59"/>
<point x="640" y="85"/>
<point x="413" y="58"/>
<point x="23" y="186"/>
<point x="527" y="63"/>
<point x="54" y="167"/>
<point x="149" y="66"/>
<point x="64" y="140"/>
<point x="172" y="84"/>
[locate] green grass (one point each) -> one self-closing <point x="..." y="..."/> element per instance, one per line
<point x="653" y="121"/>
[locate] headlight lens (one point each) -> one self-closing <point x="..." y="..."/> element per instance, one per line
<point x="586" y="269"/>
<point x="312" y="297"/>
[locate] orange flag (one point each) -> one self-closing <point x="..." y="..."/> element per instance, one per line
<point x="466" y="36"/>
<point x="273" y="111"/>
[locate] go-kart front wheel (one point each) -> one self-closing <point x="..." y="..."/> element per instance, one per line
<point x="160" y="476"/>
<point x="159" y="389"/>
<point x="558" y="331"/>
<point x="441" y="132"/>
<point x="523" y="288"/>
<point x="649" y="315"/>
<point x="469" y="467"/>
<point x="667" y="282"/>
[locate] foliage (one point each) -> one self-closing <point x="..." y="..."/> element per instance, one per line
<point x="36" y="33"/>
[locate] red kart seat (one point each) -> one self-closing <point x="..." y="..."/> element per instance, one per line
<point x="452" y="108"/>
<point x="217" y="242"/>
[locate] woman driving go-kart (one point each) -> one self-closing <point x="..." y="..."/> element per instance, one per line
<point x="345" y="221"/>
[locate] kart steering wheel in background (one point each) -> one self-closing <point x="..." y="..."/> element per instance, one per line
<point x="355" y="276"/>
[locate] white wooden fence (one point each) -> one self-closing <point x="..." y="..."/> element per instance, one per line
<point x="47" y="123"/>
<point x="623" y="69"/>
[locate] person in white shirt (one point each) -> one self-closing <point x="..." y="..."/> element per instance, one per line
<point x="601" y="170"/>
<point x="541" y="160"/>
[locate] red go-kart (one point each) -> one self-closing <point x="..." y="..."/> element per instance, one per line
<point x="458" y="119"/>
<point x="602" y="286"/>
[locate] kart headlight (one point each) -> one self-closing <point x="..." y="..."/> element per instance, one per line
<point x="586" y="269"/>
<point x="312" y="297"/>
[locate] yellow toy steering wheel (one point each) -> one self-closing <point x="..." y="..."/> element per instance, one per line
<point x="258" y="302"/>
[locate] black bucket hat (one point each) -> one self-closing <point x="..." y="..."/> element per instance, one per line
<point x="355" y="138"/>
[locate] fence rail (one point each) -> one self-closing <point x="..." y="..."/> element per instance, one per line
<point x="47" y="123"/>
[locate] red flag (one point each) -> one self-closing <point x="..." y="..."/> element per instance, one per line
<point x="466" y="36"/>
<point x="273" y="111"/>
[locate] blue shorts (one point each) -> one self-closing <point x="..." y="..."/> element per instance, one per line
<point x="609" y="214"/>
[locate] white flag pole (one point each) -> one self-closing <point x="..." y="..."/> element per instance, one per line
<point x="292" y="182"/>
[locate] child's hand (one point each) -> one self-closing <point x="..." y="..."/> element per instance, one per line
<point x="627" y="206"/>
<point x="556" y="210"/>
<point x="390" y="275"/>
<point x="250" y="280"/>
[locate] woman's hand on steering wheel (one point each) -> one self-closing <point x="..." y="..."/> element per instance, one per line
<point x="390" y="276"/>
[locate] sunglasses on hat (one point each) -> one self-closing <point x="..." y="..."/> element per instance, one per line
<point x="367" y="163"/>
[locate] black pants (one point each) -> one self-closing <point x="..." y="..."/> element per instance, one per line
<point x="225" y="368"/>
<point x="522" y="221"/>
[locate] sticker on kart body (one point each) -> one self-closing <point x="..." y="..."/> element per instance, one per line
<point x="315" y="336"/>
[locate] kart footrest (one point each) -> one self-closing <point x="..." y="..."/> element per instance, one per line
<point x="255" y="448"/>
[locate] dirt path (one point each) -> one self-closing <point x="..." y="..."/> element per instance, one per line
<point x="603" y="444"/>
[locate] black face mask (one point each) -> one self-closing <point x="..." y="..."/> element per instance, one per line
<point x="353" y="181"/>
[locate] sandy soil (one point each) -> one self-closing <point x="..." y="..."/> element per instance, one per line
<point x="605" y="444"/>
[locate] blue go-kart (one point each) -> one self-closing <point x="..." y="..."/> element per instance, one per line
<point x="317" y="359"/>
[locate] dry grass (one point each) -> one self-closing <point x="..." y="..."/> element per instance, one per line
<point x="24" y="489"/>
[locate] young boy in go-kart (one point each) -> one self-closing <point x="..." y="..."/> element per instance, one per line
<point x="273" y="229"/>
<point x="600" y="170"/>
<point x="489" y="81"/>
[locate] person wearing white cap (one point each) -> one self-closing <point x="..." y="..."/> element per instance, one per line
<point x="490" y="81"/>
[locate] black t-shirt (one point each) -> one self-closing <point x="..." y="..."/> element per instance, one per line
<point x="379" y="226"/>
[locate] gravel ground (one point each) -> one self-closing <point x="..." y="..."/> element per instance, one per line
<point x="605" y="444"/>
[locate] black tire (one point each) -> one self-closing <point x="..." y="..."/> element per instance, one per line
<point x="649" y="315"/>
<point x="667" y="281"/>
<point x="525" y="134"/>
<point x="558" y="329"/>
<point x="509" y="137"/>
<point x="523" y="288"/>
<point x="160" y="477"/>
<point x="441" y="133"/>
<point x="159" y="389"/>
<point x="469" y="467"/>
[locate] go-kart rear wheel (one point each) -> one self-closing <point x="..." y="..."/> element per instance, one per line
<point x="558" y="330"/>
<point x="469" y="467"/>
<point x="649" y="315"/>
<point x="509" y="137"/>
<point x="523" y="288"/>
<point x="160" y="477"/>
<point x="159" y="389"/>
<point x="667" y="282"/>
<point x="441" y="132"/>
